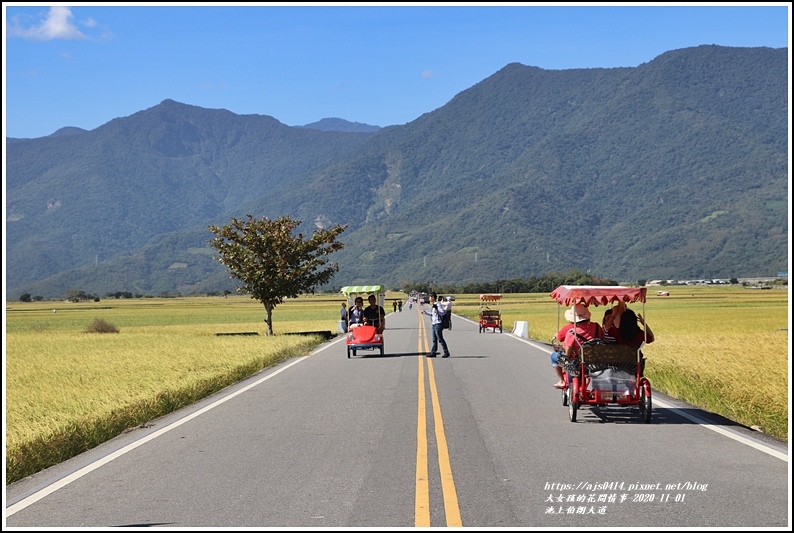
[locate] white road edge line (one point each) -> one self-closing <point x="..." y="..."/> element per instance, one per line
<point x="33" y="498"/>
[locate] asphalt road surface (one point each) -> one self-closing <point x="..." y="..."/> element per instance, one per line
<point x="479" y="439"/>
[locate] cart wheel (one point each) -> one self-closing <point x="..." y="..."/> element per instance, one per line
<point x="348" y="353"/>
<point x="381" y="350"/>
<point x="480" y="328"/>
<point x="565" y="396"/>
<point x="645" y="404"/>
<point x="572" y="406"/>
<point x="573" y="400"/>
<point x="500" y="328"/>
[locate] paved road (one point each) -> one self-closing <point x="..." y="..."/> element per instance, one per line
<point x="480" y="439"/>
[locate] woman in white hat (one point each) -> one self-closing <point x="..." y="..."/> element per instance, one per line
<point x="580" y="330"/>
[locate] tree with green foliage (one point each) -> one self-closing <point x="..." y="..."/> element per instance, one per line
<point x="75" y="296"/>
<point x="271" y="262"/>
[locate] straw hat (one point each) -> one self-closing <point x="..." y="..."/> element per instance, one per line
<point x="577" y="313"/>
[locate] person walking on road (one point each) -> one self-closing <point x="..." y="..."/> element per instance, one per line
<point x="436" y="313"/>
<point x="343" y="316"/>
<point x="447" y="304"/>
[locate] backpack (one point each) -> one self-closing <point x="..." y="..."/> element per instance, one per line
<point x="598" y="339"/>
<point x="446" y="320"/>
<point x="584" y="341"/>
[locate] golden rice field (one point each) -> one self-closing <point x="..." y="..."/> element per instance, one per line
<point x="68" y="391"/>
<point x="724" y="349"/>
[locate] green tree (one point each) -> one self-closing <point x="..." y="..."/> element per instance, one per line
<point x="25" y="297"/>
<point x="271" y="262"/>
<point x="75" y="296"/>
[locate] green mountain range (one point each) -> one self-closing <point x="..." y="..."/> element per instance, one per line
<point x="674" y="169"/>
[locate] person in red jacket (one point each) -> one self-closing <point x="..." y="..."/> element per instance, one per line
<point x="579" y="330"/>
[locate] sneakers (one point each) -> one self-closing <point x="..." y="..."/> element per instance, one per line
<point x="445" y="355"/>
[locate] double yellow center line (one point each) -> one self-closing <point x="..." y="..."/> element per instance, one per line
<point x="422" y="503"/>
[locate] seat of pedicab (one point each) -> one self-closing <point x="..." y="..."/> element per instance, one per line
<point x="600" y="356"/>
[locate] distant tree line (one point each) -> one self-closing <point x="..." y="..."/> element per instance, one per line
<point x="82" y="296"/>
<point x="546" y="283"/>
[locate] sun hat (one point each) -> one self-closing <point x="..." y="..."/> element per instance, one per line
<point x="577" y="313"/>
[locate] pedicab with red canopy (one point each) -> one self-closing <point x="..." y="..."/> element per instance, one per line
<point x="490" y="318"/>
<point x="603" y="373"/>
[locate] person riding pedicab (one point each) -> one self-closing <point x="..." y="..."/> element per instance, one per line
<point x="581" y="330"/>
<point x="356" y="313"/>
<point x="623" y="325"/>
<point x="374" y="315"/>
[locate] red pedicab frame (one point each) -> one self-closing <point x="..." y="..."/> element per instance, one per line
<point x="490" y="318"/>
<point x="597" y="357"/>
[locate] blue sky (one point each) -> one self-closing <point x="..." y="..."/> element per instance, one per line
<point x="376" y="64"/>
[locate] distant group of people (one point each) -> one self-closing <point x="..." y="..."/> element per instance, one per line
<point x="374" y="315"/>
<point x="619" y="325"/>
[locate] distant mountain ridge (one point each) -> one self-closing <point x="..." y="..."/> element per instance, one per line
<point x="677" y="168"/>
<point x="338" y="124"/>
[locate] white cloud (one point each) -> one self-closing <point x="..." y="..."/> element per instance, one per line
<point x="428" y="74"/>
<point x="57" y="25"/>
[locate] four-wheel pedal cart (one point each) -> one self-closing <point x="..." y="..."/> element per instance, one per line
<point x="603" y="374"/>
<point x="490" y="314"/>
